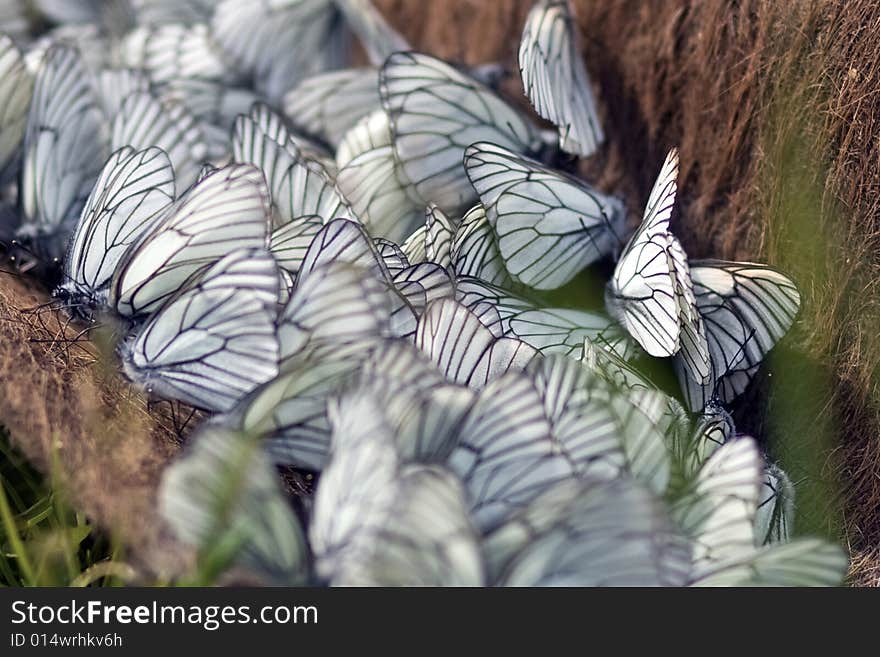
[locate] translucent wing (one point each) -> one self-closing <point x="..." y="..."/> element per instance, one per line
<point x="357" y="489"/>
<point x="274" y="42"/>
<point x="223" y="496"/>
<point x="132" y="192"/>
<point x="439" y="233"/>
<point x="143" y="121"/>
<point x="474" y="251"/>
<point x="464" y="349"/>
<point x="378" y="38"/>
<point x="642" y="292"/>
<point x="436" y="112"/>
<point x="336" y="302"/>
<point x="342" y="240"/>
<point x="115" y="85"/>
<point x="64" y="145"/>
<point x="228" y="209"/>
<point x="555" y="78"/>
<point x="215" y="341"/>
<point x="495" y="306"/>
<point x="425" y="540"/>
<point x="369" y="177"/>
<point x="584" y="532"/>
<point x="549" y="226"/>
<point x="16" y="87"/>
<point x="718" y="511"/>
<point x="290" y="242"/>
<point x="328" y="105"/>
<point x="290" y="411"/>
<point x="746" y="309"/>
<point x="563" y="331"/>
<point x="506" y="453"/>
<point x="804" y="562"/>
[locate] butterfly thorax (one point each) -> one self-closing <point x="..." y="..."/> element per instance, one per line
<point x="80" y="301"/>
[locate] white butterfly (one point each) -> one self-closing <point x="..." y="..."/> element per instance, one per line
<point x="223" y="498"/>
<point x="651" y="292"/>
<point x="228" y="209"/>
<point x="16" y="87"/>
<point x="276" y="43"/>
<point x="370" y="178"/>
<point x="64" y="149"/>
<point x="215" y="341"/>
<point x="549" y="226"/>
<point x="377" y="521"/>
<point x="144" y="121"/>
<point x="436" y="112"/>
<point x="474" y="250"/>
<point x="585" y="532"/>
<point x="464" y="349"/>
<point x="420" y="406"/>
<point x="719" y="513"/>
<point x="299" y="184"/>
<point x="746" y="309"/>
<point x="133" y="191"/>
<point x="524" y="435"/>
<point x="328" y="105"/>
<point x="555" y="78"/>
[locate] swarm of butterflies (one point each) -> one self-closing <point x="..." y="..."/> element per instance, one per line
<point x="345" y="267"/>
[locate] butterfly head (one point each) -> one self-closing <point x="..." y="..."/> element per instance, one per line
<point x="80" y="304"/>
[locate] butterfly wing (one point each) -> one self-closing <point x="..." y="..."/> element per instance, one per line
<point x="549" y="226"/>
<point x="555" y="78"/>
<point x="134" y="189"/>
<point x="436" y="112"/>
<point x="228" y="209"/>
<point x="215" y="341"/>
<point x="223" y="496"/>
<point x="642" y="292"/>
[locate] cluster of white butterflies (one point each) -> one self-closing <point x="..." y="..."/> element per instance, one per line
<point x="344" y="266"/>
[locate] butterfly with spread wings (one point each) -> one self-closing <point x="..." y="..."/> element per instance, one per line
<point x="746" y="309"/>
